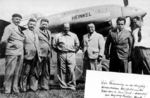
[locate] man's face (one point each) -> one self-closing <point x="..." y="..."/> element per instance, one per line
<point x="66" y="27"/>
<point x="91" y="28"/>
<point x="31" y="25"/>
<point x="137" y="23"/>
<point x="44" y="25"/>
<point x="120" y="24"/>
<point x="16" y="20"/>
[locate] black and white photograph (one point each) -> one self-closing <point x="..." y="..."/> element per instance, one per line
<point x="74" y="48"/>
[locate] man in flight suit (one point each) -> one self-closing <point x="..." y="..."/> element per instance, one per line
<point x="14" y="38"/>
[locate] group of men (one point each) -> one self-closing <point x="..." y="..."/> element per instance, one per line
<point x="28" y="56"/>
<point x="28" y="53"/>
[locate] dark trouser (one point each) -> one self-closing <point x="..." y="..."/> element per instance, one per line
<point x="30" y="75"/>
<point x="86" y="66"/>
<point x="141" y="60"/>
<point x="66" y="70"/>
<point x="13" y="68"/>
<point x="44" y="79"/>
<point x="90" y="64"/>
<point x="118" y="65"/>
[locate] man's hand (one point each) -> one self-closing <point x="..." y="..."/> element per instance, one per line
<point x="107" y="57"/>
<point x="100" y="58"/>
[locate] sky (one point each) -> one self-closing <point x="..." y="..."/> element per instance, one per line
<point x="49" y="7"/>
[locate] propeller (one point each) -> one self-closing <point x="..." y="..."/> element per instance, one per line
<point x="125" y="2"/>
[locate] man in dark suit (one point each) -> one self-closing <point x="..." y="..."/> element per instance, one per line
<point x="119" y="42"/>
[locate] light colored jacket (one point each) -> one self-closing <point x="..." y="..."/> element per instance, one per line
<point x="44" y="42"/>
<point x="14" y="40"/>
<point x="93" y="46"/>
<point x="31" y="44"/>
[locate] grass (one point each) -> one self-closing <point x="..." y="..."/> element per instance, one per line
<point x="53" y="93"/>
<point x="47" y="94"/>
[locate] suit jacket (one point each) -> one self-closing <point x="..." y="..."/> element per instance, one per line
<point x="93" y="46"/>
<point x="31" y="44"/>
<point x="44" y="42"/>
<point x="119" y="44"/>
<point x="14" y="39"/>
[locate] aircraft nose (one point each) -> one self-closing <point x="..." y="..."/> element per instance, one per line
<point x="132" y="12"/>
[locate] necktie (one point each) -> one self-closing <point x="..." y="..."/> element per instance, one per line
<point x="139" y="35"/>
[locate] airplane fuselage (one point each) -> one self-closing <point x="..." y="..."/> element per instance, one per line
<point x="97" y="14"/>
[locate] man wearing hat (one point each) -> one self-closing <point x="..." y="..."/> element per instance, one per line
<point x="14" y="38"/>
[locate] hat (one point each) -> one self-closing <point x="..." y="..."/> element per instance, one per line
<point x="17" y="15"/>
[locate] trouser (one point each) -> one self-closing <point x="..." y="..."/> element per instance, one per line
<point x="86" y="66"/>
<point x="89" y="64"/>
<point x="13" y="68"/>
<point x="118" y="65"/>
<point x="44" y="79"/>
<point x="66" y="70"/>
<point x="141" y="60"/>
<point x="30" y="75"/>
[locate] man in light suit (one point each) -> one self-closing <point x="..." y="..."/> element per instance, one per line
<point x="31" y="58"/>
<point x="118" y="47"/>
<point x="14" y="38"/>
<point x="93" y="48"/>
<point x="45" y="53"/>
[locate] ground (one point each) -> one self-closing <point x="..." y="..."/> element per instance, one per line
<point x="55" y="92"/>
